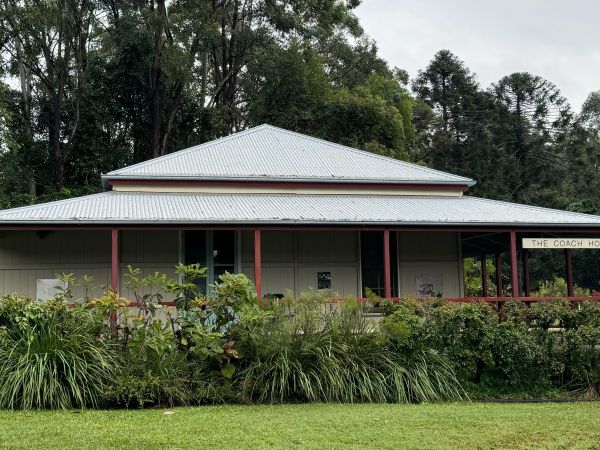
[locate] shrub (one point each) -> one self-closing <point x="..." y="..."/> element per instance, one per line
<point x="225" y="347"/>
<point x="583" y="360"/>
<point x="557" y="288"/>
<point x="154" y="371"/>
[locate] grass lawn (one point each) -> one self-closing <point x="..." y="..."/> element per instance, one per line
<point x="475" y="425"/>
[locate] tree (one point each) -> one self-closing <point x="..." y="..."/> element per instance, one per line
<point x="49" y="41"/>
<point x="447" y="86"/>
<point x="294" y="91"/>
<point x="457" y="134"/>
<point x="582" y="146"/>
<point x="534" y="120"/>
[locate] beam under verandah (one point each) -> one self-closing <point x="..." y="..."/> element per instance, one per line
<point x="569" y="270"/>
<point x="257" y="264"/>
<point x="513" y="265"/>
<point x="387" y="272"/>
<point x="114" y="260"/>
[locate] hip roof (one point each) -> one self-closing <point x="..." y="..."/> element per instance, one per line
<point x="267" y="153"/>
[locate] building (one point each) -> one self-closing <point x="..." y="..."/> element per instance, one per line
<point x="291" y="212"/>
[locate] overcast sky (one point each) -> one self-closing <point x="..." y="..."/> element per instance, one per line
<point x="556" y="39"/>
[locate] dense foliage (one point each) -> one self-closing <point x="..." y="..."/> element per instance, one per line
<point x="228" y="348"/>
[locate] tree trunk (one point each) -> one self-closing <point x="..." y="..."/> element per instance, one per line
<point x="155" y="78"/>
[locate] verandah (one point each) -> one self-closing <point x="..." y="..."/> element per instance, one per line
<point x="477" y="242"/>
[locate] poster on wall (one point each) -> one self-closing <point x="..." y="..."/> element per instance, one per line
<point x="430" y="285"/>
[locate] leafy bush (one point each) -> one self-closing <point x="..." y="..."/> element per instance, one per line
<point x="557" y="288"/>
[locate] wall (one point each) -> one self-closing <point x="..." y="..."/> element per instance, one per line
<point x="26" y="256"/>
<point x="151" y="252"/>
<point x="266" y="189"/>
<point x="429" y="253"/>
<point x="291" y="260"/>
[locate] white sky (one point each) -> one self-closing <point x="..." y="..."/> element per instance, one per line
<point x="556" y="39"/>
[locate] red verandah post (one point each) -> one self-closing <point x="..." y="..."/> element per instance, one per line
<point x="499" y="287"/>
<point x="387" y="278"/>
<point x="526" y="282"/>
<point x="257" y="264"/>
<point x="114" y="261"/>
<point x="114" y="267"/>
<point x="569" y="264"/>
<point x="484" y="277"/>
<point x="513" y="265"/>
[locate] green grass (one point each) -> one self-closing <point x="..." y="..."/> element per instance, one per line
<point x="460" y="425"/>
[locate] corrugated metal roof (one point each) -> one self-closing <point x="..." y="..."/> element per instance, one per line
<point x="269" y="153"/>
<point x="188" y="208"/>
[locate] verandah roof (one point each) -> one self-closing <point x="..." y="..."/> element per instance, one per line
<point x="147" y="208"/>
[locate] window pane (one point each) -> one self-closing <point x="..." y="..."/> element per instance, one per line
<point x="194" y="252"/>
<point x="195" y="247"/>
<point x="224" y="247"/>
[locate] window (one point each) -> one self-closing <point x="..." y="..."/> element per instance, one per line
<point x="215" y="250"/>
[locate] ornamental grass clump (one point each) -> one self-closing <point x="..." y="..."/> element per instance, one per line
<point x="50" y="358"/>
<point x="309" y="354"/>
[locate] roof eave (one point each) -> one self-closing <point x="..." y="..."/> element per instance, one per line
<point x="157" y="222"/>
<point x="106" y="179"/>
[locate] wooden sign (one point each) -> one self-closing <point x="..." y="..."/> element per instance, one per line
<point x="565" y="242"/>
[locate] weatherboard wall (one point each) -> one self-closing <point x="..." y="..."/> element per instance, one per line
<point x="290" y="259"/>
<point x="26" y="256"/>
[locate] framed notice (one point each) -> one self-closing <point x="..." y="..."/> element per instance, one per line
<point x="323" y="280"/>
<point x="430" y="285"/>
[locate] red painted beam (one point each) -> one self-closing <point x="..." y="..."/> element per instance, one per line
<point x="257" y="264"/>
<point x="292" y="184"/>
<point x="484" y="277"/>
<point x="387" y="273"/>
<point x="592" y="298"/>
<point x="513" y="265"/>
<point x="114" y="262"/>
<point x="569" y="270"/>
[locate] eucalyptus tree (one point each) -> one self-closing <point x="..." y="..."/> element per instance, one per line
<point x="48" y="43"/>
